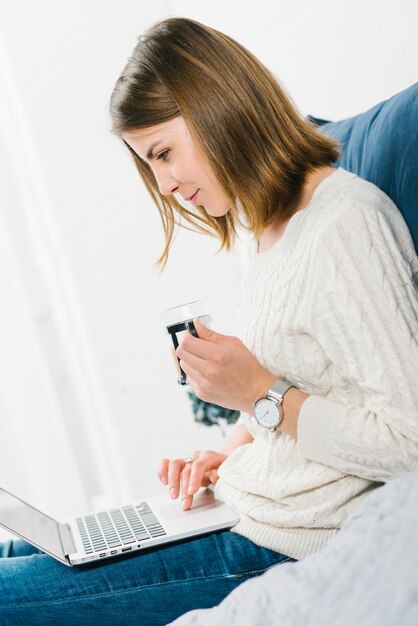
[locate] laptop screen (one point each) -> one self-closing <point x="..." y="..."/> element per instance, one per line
<point x="30" y="524"/>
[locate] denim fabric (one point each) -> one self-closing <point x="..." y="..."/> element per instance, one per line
<point x="147" y="589"/>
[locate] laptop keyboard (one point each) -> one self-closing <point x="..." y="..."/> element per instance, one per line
<point x="118" y="527"/>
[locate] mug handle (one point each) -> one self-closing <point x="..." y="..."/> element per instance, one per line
<point x="191" y="327"/>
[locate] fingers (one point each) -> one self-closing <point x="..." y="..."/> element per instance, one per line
<point x="169" y="474"/>
<point x="213" y="476"/>
<point x="174" y="470"/>
<point x="188" y="477"/>
<point x="204" y="332"/>
<point x="193" y="371"/>
<point x="193" y="361"/>
<point x="197" y="472"/>
<point x="176" y="474"/>
<point x="209" y="335"/>
<point x="163" y="471"/>
<point x="205" y="348"/>
<point x="195" y="378"/>
<point x="194" y="346"/>
<point x="187" y="499"/>
<point x="204" y="470"/>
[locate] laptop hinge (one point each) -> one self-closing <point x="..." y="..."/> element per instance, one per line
<point x="67" y="540"/>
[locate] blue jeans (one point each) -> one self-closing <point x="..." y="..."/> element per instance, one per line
<point x="148" y="589"/>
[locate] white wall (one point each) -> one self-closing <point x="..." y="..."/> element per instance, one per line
<point x="336" y="59"/>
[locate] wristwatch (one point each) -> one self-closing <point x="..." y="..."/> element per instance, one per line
<point x="268" y="410"/>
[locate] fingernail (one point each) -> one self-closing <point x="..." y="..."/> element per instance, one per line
<point x="164" y="480"/>
<point x="173" y="492"/>
<point x="191" y="489"/>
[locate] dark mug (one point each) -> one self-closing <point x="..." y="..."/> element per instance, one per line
<point x="179" y="320"/>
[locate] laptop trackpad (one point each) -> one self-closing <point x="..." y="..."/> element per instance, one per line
<point x="201" y="502"/>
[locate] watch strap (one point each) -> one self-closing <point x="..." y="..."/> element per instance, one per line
<point x="278" y="389"/>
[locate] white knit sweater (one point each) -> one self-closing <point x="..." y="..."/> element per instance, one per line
<point x="333" y="307"/>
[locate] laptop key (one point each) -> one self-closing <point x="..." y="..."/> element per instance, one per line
<point x="149" y="519"/>
<point x="130" y="540"/>
<point x="142" y="536"/>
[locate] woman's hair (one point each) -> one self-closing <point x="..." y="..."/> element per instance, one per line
<point x="257" y="143"/>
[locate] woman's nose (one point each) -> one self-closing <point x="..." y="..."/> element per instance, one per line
<point x="166" y="184"/>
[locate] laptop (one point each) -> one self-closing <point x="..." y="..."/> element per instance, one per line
<point x="108" y="534"/>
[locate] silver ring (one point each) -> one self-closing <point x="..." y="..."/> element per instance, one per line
<point x="188" y="459"/>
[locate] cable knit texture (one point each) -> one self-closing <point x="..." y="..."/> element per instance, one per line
<point x="367" y="576"/>
<point x="333" y="307"/>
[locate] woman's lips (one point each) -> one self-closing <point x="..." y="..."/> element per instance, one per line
<point x="193" y="198"/>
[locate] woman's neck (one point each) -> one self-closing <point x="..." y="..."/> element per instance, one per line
<point x="274" y="232"/>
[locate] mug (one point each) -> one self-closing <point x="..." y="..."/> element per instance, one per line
<point x="178" y="320"/>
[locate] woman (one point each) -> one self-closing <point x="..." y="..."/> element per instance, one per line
<point x="324" y="366"/>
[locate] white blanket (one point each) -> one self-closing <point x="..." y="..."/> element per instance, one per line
<point x="366" y="576"/>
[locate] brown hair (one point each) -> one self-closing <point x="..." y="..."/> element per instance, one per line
<point x="257" y="143"/>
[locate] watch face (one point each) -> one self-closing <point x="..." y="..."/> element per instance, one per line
<point x="266" y="413"/>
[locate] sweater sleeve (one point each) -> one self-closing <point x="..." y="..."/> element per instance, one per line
<point x="365" y="319"/>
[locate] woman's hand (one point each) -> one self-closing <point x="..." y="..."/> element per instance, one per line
<point x="188" y="476"/>
<point x="222" y="370"/>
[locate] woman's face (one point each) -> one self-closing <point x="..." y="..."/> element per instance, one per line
<point x="178" y="165"/>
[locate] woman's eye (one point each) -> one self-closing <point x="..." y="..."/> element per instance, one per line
<point x="163" y="155"/>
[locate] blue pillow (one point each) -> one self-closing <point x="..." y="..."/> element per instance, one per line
<point x="381" y="145"/>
